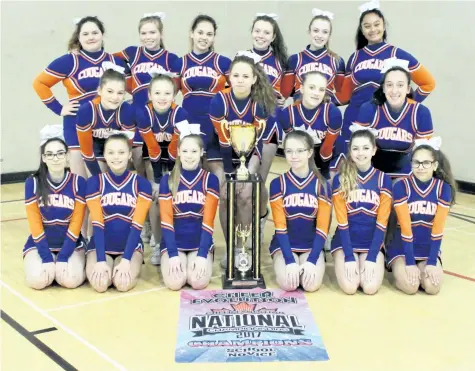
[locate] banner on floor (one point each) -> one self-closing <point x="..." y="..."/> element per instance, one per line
<point x="247" y="326"/>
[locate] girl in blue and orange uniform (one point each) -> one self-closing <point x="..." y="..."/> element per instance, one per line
<point x="118" y="202"/>
<point x="319" y="117"/>
<point x="301" y="208"/>
<point x="317" y="57"/>
<point x="398" y="120"/>
<point x="363" y="69"/>
<point x="55" y="205"/>
<point x="79" y="71"/>
<point x="97" y="119"/>
<point x="422" y="202"/>
<point x="202" y="73"/>
<point x="362" y="197"/>
<point x="156" y="123"/>
<point x="189" y="199"/>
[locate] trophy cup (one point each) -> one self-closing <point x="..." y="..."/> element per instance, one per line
<point x="245" y="273"/>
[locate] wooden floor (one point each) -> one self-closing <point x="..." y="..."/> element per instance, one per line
<point x="85" y="330"/>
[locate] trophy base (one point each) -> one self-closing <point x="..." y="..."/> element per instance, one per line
<point x="240" y="283"/>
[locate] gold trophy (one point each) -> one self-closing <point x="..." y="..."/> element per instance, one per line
<point x="245" y="273"/>
<point x="243" y="139"/>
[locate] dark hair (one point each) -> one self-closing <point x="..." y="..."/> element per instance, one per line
<point x="326" y="98"/>
<point x="203" y="18"/>
<point x="174" y="178"/>
<point x="379" y="97"/>
<point x="74" y="43"/>
<point x="262" y="91"/>
<point x="117" y="136"/>
<point x="278" y="45"/>
<point x="309" y="144"/>
<point x="157" y="21"/>
<point x="443" y="171"/>
<point x="111" y="75"/>
<point x="327" y="46"/>
<point x="349" y="171"/>
<point x="41" y="175"/>
<point x="360" y="39"/>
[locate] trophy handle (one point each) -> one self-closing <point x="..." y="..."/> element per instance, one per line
<point x="225" y="129"/>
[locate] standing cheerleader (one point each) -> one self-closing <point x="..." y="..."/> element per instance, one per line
<point x="156" y="122"/>
<point x="80" y="71"/>
<point x="118" y="201"/>
<point x="320" y="118"/>
<point x="362" y="196"/>
<point x="268" y="43"/>
<point x="189" y="199"/>
<point x="422" y="202"/>
<point x="317" y="57"/>
<point x="151" y="56"/>
<point x="247" y="102"/>
<point x="363" y="70"/>
<point x="301" y="208"/>
<point x="398" y="120"/>
<point x="202" y="74"/>
<point x="55" y="206"/>
<point x="97" y="119"/>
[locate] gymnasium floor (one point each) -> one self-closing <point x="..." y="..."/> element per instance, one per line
<point x="80" y="329"/>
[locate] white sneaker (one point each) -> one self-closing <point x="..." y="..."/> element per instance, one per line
<point x="152" y="241"/>
<point x="146" y="232"/>
<point x="156" y="255"/>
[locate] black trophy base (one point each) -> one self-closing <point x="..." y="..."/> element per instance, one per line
<point x="241" y="283"/>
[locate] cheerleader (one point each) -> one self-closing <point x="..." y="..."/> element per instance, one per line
<point x="422" y="202"/>
<point x="97" y="119"/>
<point x="320" y="118"/>
<point x="157" y="125"/>
<point x="118" y="201"/>
<point x="55" y="205"/>
<point x="150" y="56"/>
<point x="362" y="196"/>
<point x="247" y="102"/>
<point x="317" y="57"/>
<point x="363" y="69"/>
<point x="79" y="71"/>
<point x="268" y="43"/>
<point x="189" y="199"/>
<point x="202" y="73"/>
<point x="301" y="207"/>
<point x="399" y="121"/>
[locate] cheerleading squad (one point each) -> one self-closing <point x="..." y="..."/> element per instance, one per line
<point x="377" y="167"/>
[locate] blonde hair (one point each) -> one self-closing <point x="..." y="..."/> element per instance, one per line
<point x="349" y="171"/>
<point x="327" y="45"/>
<point x="157" y="21"/>
<point x="174" y="179"/>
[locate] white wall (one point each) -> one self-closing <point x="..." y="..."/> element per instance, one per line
<point x="440" y="34"/>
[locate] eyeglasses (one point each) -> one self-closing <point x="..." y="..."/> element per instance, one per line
<point x="425" y="164"/>
<point x="59" y="155"/>
<point x="298" y="151"/>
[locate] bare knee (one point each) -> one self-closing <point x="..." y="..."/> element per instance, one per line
<point x="406" y="287"/>
<point x="36" y="282"/>
<point x="199" y="284"/>
<point x="175" y="285"/>
<point x="349" y="289"/>
<point x="431" y="289"/>
<point x="313" y="287"/>
<point x="370" y="289"/>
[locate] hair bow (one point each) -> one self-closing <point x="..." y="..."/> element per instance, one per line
<point x="395" y="62"/>
<point x="155" y="71"/>
<point x="111" y="66"/>
<point x="274" y="16"/>
<point x="309" y="131"/>
<point x="160" y="15"/>
<point x="185" y="128"/>
<point x="373" y="4"/>
<point x="324" y="13"/>
<point x="50" y="132"/>
<point x="434" y="143"/>
<point x="357" y="127"/>
<point x="246" y="53"/>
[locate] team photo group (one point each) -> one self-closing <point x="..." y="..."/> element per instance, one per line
<point x="120" y="171"/>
